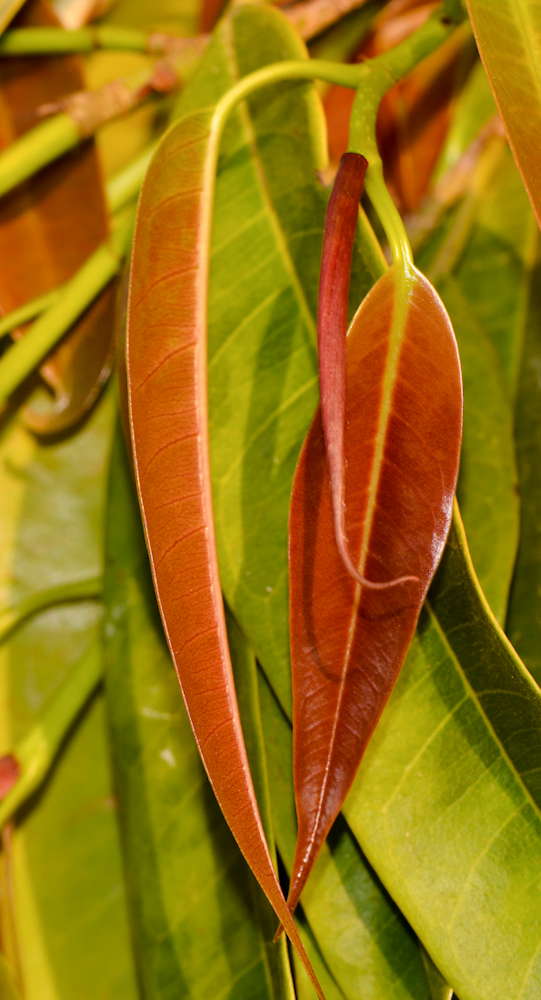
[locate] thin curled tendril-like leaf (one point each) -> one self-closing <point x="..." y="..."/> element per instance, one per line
<point x="167" y="385"/>
<point x="348" y="642"/>
<point x="340" y="225"/>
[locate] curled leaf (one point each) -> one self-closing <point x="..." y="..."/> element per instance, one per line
<point x="348" y="643"/>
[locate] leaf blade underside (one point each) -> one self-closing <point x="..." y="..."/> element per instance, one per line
<point x="168" y="281"/>
<point x="347" y="642"/>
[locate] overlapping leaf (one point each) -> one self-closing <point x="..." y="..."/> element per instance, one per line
<point x="401" y="456"/>
<point x="509" y="39"/>
<point x="191" y="890"/>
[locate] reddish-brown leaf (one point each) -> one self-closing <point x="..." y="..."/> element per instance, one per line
<point x="167" y="384"/>
<point x="404" y="421"/>
<point x="51" y="224"/>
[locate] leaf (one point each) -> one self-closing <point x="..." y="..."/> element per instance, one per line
<point x="365" y="941"/>
<point x="348" y="643"/>
<point x="487" y="484"/>
<point x="39" y="243"/>
<point x="202" y="926"/>
<point x="69" y="904"/>
<point x="446" y="804"/>
<point x="269" y="209"/>
<point x="509" y="41"/>
<point x="340" y="226"/>
<point x="177" y="509"/>
<point x="524" y="618"/>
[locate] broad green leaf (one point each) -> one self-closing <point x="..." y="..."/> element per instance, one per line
<point x="447" y="803"/>
<point x="492" y="227"/>
<point x="487" y="486"/>
<point x="524" y="619"/>
<point x="473" y="109"/>
<point x="508" y="36"/>
<point x="364" y="940"/>
<point x="70" y="917"/>
<point x="201" y="925"/>
<point x="269" y="210"/>
<point x="494" y="270"/>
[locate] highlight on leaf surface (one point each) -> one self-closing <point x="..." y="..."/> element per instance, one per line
<point x="168" y="411"/>
<point x="348" y="643"/>
<point x="508" y="35"/>
<point x="340" y="225"/>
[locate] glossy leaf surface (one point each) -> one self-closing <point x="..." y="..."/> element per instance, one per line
<point x="269" y="210"/>
<point x="508" y="36"/>
<point x="190" y="887"/>
<point x="366" y="943"/>
<point x="168" y="407"/>
<point x="446" y="803"/>
<point x="348" y="643"/>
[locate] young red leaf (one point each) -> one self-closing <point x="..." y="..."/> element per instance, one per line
<point x="340" y="224"/>
<point x="404" y="422"/>
<point x="167" y="385"/>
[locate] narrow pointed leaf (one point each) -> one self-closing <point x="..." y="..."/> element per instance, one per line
<point x="202" y="927"/>
<point x="404" y="417"/>
<point x="508" y="36"/>
<point x="168" y="401"/>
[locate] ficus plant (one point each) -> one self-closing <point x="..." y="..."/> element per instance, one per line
<point x="270" y="500"/>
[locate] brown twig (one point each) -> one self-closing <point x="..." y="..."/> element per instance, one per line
<point x="314" y="16"/>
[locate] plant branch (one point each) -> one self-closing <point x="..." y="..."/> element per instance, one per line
<point x="50" y="41"/>
<point x="34" y="755"/>
<point x="314" y="16"/>
<point x="81" y="114"/>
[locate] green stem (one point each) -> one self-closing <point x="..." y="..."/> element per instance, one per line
<point x="49" y="41"/>
<point x="41" y="145"/>
<point x="77" y="295"/>
<point x="388" y="214"/>
<point x="80" y="590"/>
<point x="124" y="186"/>
<point x="37" y="751"/>
<point x="18" y="317"/>
<point x="120" y="190"/>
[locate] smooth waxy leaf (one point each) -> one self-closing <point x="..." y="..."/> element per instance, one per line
<point x="366" y="943"/>
<point x="508" y="36"/>
<point x="524" y="619"/>
<point x="191" y="890"/>
<point x="69" y="904"/>
<point x="332" y="323"/>
<point x="348" y="642"/>
<point x="446" y="804"/>
<point x="168" y="412"/>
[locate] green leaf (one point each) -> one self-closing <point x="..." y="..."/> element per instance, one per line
<point x="69" y="905"/>
<point x="487" y="486"/>
<point x="524" y="619"/>
<point x="446" y="804"/>
<point x="262" y="375"/>
<point x="201" y="925"/>
<point x="363" y="938"/>
<point x="508" y="36"/>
